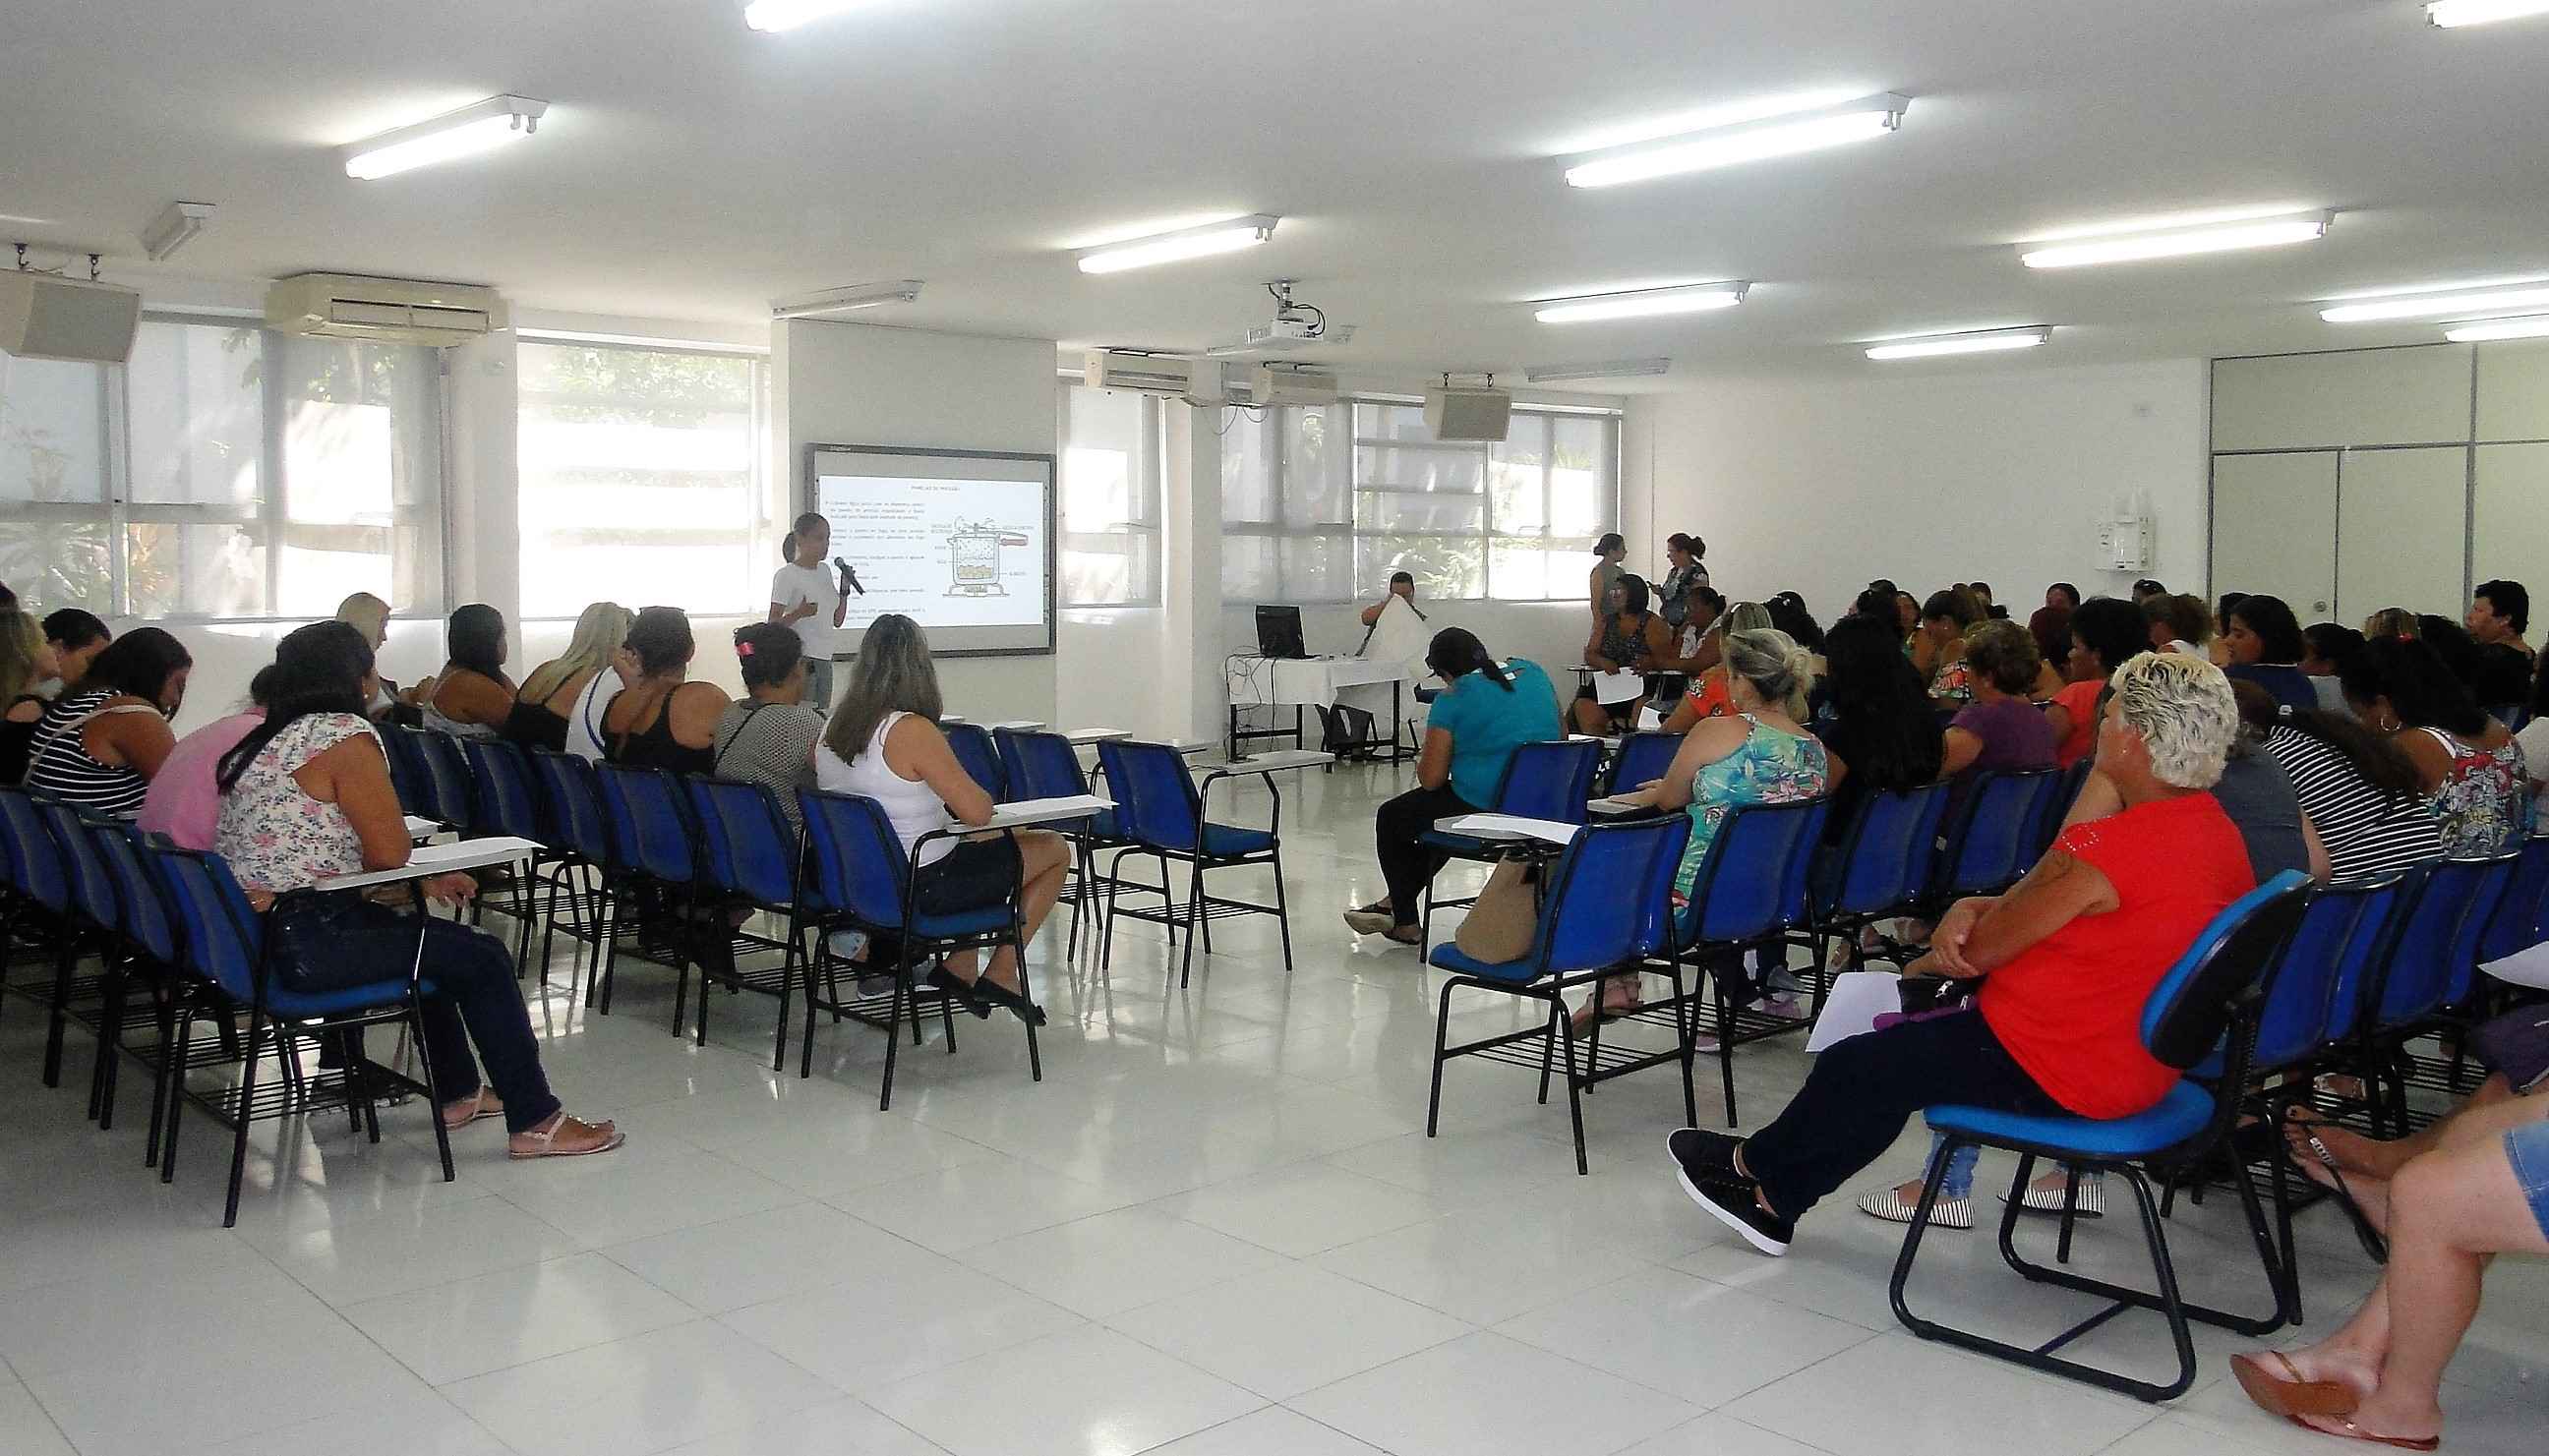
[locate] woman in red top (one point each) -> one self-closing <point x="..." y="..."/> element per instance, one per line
<point x="2070" y="955"/>
<point x="2103" y="633"/>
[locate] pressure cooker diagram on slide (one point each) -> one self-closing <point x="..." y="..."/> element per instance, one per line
<point x="974" y="557"/>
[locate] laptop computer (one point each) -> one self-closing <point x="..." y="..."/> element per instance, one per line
<point x="1278" y="631"/>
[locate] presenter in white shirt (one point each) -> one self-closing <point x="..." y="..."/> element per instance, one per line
<point x="805" y="595"/>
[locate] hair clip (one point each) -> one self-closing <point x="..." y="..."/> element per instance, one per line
<point x="743" y="649"/>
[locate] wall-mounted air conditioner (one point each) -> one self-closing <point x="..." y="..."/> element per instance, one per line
<point x="1285" y="383"/>
<point x="397" y="311"/>
<point x="1144" y="374"/>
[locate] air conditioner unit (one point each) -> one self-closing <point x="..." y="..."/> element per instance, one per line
<point x="1276" y="384"/>
<point x="44" y="315"/>
<point x="1469" y="414"/>
<point x="396" y="311"/>
<point x="1144" y="374"/>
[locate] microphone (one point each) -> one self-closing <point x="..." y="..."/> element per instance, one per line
<point x="850" y="575"/>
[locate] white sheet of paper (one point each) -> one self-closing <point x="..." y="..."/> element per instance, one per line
<point x="421" y="828"/>
<point x="2525" y="967"/>
<point x="1853" y="1005"/>
<point x="430" y="859"/>
<point x="1611" y="687"/>
<point x="1648" y="720"/>
<point x="1512" y="826"/>
<point x="1054" y="811"/>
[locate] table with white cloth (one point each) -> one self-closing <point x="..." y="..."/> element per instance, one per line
<point x="1315" y="682"/>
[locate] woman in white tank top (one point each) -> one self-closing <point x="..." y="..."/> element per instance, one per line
<point x="883" y="744"/>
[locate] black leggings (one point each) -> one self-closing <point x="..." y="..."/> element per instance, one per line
<point x="1406" y="865"/>
<point x="1862" y="1091"/>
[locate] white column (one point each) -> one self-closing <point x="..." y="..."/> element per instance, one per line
<point x="1194" y="688"/>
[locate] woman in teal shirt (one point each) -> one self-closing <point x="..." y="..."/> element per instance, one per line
<point x="1471" y="734"/>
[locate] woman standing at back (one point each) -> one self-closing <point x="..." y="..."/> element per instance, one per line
<point x="663" y="720"/>
<point x="471" y="697"/>
<point x="551" y="695"/>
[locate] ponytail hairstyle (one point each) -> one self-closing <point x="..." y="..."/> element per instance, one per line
<point x="767" y="654"/>
<point x="802" y="525"/>
<point x="1457" y="651"/>
<point x="317" y="669"/>
<point x="1774" y="664"/>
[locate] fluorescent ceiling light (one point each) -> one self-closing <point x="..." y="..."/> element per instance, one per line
<point x="2440" y="305"/>
<point x="1642" y="303"/>
<point x="2180" y="241"/>
<point x="844" y="300"/>
<point x="1979" y="341"/>
<point x="773" y="15"/>
<point x="1616" y="369"/>
<point x="175" y="228"/>
<point x="1718" y="147"/>
<point x="1226" y="236"/>
<point x="2450" y="14"/>
<point x="2535" y="326"/>
<point x="474" y="129"/>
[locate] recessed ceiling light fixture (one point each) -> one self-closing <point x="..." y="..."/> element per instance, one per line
<point x="1616" y="369"/>
<point x="1226" y="236"/>
<point x="2455" y="305"/>
<point x="1643" y="302"/>
<point x="474" y="129"/>
<point x="846" y="300"/>
<point x="1978" y="341"/>
<point x="2179" y="242"/>
<point x="2535" y="326"/>
<point x="2453" y="14"/>
<point x="1720" y="147"/>
<point x="175" y="228"/>
<point x="773" y="15"/>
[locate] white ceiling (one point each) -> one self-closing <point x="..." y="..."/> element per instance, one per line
<point x="693" y="169"/>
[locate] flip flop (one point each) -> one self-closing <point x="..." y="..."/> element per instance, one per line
<point x="478" y="1112"/>
<point x="2291" y="1394"/>
<point x="544" y="1141"/>
<point x="2353" y="1432"/>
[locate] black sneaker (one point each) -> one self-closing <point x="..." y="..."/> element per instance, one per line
<point x="1702" y="1153"/>
<point x="1734" y="1201"/>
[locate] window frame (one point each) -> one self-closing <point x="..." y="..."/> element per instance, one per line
<point x="268" y="518"/>
<point x="1148" y="496"/>
<point x="1276" y="436"/>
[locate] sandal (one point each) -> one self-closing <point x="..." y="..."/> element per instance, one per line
<point x="1604" y="1010"/>
<point x="1403" y="935"/>
<point x="2291" y="1393"/>
<point x="541" y="1142"/>
<point x="2353" y="1432"/>
<point x="481" y="1105"/>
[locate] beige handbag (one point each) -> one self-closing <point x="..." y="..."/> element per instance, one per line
<point x="1502" y="925"/>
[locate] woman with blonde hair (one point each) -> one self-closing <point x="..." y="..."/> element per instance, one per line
<point x="1761" y="754"/>
<point x="553" y="691"/>
<point x="370" y="615"/>
<point x="884" y="744"/>
<point x="26" y="659"/>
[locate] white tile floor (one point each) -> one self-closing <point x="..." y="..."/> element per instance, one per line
<point x="1216" y="1229"/>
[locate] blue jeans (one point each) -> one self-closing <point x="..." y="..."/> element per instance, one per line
<point x="472" y="972"/>
<point x="819" y="684"/>
<point x="1960" y="1182"/>
<point x="2527" y="1148"/>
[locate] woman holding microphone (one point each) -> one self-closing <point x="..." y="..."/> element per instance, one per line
<point x="807" y="597"/>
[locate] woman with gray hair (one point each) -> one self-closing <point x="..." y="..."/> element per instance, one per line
<point x="2066" y="958"/>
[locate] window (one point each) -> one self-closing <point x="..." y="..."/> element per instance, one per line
<point x="1112" y="446"/>
<point x="1323" y="503"/>
<point x="642" y="479"/>
<point x="226" y="472"/>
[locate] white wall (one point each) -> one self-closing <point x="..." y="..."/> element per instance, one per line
<point x="858" y="384"/>
<point x="1820" y="484"/>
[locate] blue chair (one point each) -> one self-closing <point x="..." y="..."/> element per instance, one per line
<point x="578" y="835"/>
<point x="1542" y="781"/>
<point x="504" y="800"/>
<point x="1045" y="765"/>
<point x="975" y="754"/>
<point x="2210" y="992"/>
<point x="2431" y="970"/>
<point x="857" y="876"/>
<point x="748" y="853"/>
<point x="226" y="943"/>
<point x="1880" y="868"/>
<point x="1161" y="814"/>
<point x="448" y="769"/>
<point x="409" y="775"/>
<point x="2057" y="804"/>
<point x="1642" y="757"/>
<point x="1992" y="834"/>
<point x="1604" y="904"/>
<point x="1748" y="893"/>
<point x="653" y="865"/>
<point x="152" y="938"/>
<point x="95" y="1003"/>
<point x="2518" y="924"/>
<point x="39" y="908"/>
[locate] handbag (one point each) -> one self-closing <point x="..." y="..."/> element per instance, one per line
<point x="1503" y="921"/>
<point x="2516" y="1044"/>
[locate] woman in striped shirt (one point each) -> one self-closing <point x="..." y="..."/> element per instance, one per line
<point x="2361" y="792"/>
<point x="98" y="747"/>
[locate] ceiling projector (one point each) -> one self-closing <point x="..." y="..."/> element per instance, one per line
<point x="1294" y="327"/>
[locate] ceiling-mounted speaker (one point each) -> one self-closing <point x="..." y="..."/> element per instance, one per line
<point x="44" y="315"/>
<point x="1469" y="414"/>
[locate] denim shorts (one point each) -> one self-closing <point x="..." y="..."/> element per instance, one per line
<point x="2527" y="1148"/>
